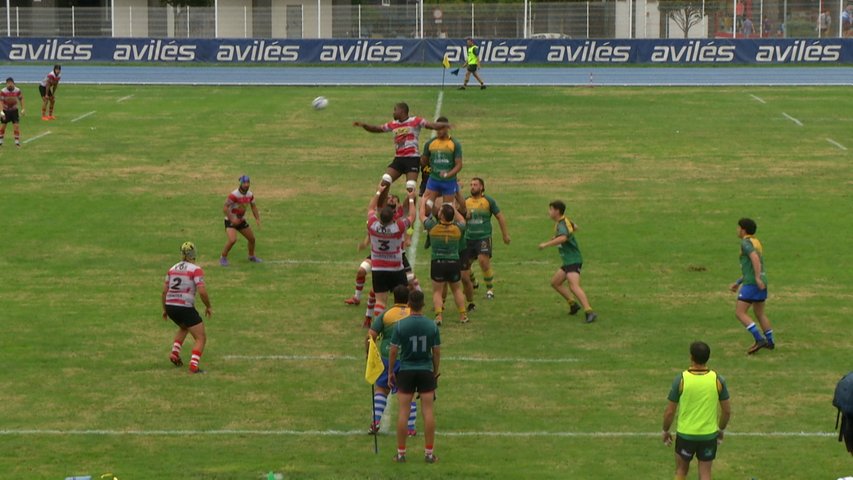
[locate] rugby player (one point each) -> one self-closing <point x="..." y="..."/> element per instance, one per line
<point x="47" y="90"/>
<point x="11" y="97"/>
<point x="406" y="130"/>
<point x="235" y="212"/>
<point x="382" y="329"/>
<point x="183" y="280"/>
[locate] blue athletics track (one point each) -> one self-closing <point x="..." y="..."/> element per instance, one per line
<point x="432" y="76"/>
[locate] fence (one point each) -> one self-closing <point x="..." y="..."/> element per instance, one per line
<point x="576" y="19"/>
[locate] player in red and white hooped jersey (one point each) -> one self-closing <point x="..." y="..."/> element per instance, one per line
<point x="407" y="151"/>
<point x="235" y="221"/>
<point x="183" y="281"/>
<point x="47" y="90"/>
<point x="11" y="97"/>
<point x="387" y="239"/>
<point x="365" y="267"/>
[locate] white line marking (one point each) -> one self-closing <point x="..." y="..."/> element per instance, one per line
<point x="842" y="147"/>
<point x="32" y="139"/>
<point x="293" y="261"/>
<point x="792" y="119"/>
<point x="81" y="117"/>
<point x="757" y="98"/>
<point x="296" y="261"/>
<point x="124" y="98"/>
<point x="349" y="433"/>
<point x="350" y="357"/>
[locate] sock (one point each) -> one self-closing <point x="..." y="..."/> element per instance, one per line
<point x="42" y="111"/>
<point x="413" y="415"/>
<point x="380" y="401"/>
<point x="463" y="311"/>
<point x="401" y="450"/>
<point x="427" y="449"/>
<point x="588" y="310"/>
<point x="51" y="110"/>
<point x="176" y="348"/>
<point x="473" y="278"/>
<point x="768" y="334"/>
<point x="2" y="136"/>
<point x="489" y="277"/>
<point x="416" y="284"/>
<point x="754" y="331"/>
<point x="359" y="285"/>
<point x="378" y="309"/>
<point x="571" y="302"/>
<point x="194" y="360"/>
<point x="371" y="302"/>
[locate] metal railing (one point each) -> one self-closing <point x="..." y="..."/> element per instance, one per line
<point x="574" y="19"/>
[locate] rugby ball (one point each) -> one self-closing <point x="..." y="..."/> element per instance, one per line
<point x="320" y="103"/>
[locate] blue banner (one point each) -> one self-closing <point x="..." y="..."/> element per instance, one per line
<point x="394" y="51"/>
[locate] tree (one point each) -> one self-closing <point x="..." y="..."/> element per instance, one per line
<point x="687" y="13"/>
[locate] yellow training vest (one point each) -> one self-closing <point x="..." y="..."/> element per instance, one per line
<point x="472" y="57"/>
<point x="697" y="407"/>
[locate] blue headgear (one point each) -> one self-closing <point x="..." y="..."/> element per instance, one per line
<point x="244" y="179"/>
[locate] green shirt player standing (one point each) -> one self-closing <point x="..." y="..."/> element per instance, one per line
<point x="697" y="394"/>
<point x="472" y="63"/>
<point x="753" y="287"/>
<point x="564" y="238"/>
<point x="481" y="208"/>
<point x="417" y="342"/>
<point x="383" y="328"/>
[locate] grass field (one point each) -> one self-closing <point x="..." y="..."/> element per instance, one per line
<point x="656" y="178"/>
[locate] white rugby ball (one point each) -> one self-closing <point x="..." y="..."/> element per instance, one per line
<point x="320" y="103"/>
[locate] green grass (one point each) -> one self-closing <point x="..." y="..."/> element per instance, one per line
<point x="657" y="178"/>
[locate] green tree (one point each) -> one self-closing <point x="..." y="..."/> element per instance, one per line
<point x="688" y="13"/>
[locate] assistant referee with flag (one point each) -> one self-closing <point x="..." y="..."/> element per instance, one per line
<point x="472" y="64"/>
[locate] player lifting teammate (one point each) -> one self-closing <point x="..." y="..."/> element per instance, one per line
<point x="387" y="237"/>
<point x="446" y="233"/>
<point x="406" y="132"/>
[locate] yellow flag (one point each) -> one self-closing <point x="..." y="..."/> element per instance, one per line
<point x="374" y="366"/>
<point x="446" y="61"/>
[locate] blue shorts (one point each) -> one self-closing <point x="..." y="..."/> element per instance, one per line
<point x="751" y="294"/>
<point x="443" y="187"/>
<point x="382" y="381"/>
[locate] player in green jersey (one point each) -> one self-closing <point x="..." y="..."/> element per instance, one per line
<point x="564" y="239"/>
<point x="697" y="394"/>
<point x="753" y="287"/>
<point x="478" y="237"/>
<point x="446" y="233"/>
<point x="417" y="343"/>
<point x="382" y="328"/>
